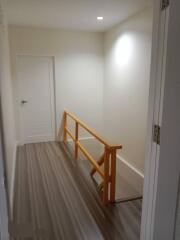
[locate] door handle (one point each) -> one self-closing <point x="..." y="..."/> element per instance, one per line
<point x="23" y="101"/>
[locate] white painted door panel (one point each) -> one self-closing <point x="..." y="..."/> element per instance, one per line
<point x="36" y="89"/>
<point x="166" y="224"/>
<point x="159" y="48"/>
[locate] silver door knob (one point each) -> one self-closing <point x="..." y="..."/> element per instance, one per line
<point x="23" y="101"/>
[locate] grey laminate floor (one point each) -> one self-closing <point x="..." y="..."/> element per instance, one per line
<point x="55" y="199"/>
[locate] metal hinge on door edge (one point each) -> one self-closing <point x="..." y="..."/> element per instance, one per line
<point x="157" y="134"/>
<point x="164" y="4"/>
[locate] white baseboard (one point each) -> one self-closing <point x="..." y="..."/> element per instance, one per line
<point x="131" y="174"/>
<point x="13" y="179"/>
<point x="137" y="171"/>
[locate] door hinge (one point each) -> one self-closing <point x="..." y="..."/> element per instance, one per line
<point x="157" y="134"/>
<point x="164" y="4"/>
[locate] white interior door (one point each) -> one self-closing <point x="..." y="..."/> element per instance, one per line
<point x="36" y="98"/>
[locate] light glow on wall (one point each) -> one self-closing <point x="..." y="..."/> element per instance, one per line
<point x="123" y="50"/>
<point x="100" y="18"/>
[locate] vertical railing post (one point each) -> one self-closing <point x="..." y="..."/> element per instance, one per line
<point x="106" y="176"/>
<point x="64" y="127"/>
<point x="113" y="175"/>
<point x="76" y="139"/>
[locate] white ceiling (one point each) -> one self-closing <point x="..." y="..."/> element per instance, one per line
<point x="72" y="14"/>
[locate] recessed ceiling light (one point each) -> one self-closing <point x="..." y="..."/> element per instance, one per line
<point x="99" y="18"/>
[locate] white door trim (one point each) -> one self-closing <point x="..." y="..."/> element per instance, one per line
<point x="154" y="117"/>
<point x="53" y="100"/>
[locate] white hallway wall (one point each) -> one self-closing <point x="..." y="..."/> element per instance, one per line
<point x="78" y="58"/>
<point x="126" y="85"/>
<point x="99" y="75"/>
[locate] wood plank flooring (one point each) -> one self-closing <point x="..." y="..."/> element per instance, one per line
<point x="55" y="199"/>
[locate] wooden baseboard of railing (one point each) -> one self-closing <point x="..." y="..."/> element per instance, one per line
<point x="108" y="159"/>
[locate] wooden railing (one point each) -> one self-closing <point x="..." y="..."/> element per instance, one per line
<point x="108" y="172"/>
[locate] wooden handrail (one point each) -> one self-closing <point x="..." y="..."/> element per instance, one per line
<point x="108" y="158"/>
<point x="91" y="131"/>
<point x="94" y="163"/>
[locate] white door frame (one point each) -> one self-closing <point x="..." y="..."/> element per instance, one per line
<point x="4" y="234"/>
<point x="4" y="196"/>
<point x="53" y="99"/>
<point x="157" y="78"/>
